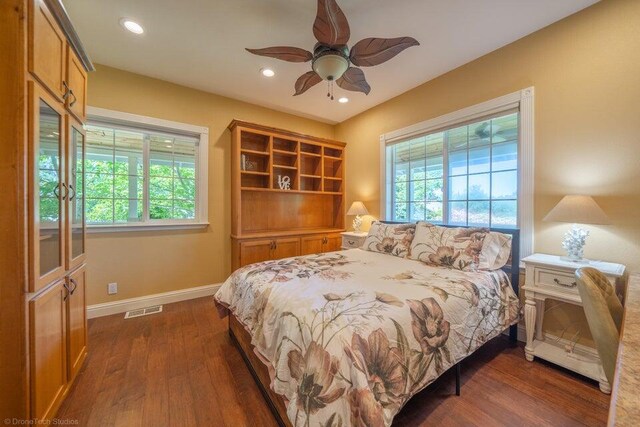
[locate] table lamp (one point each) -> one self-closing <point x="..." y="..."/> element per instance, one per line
<point x="357" y="209"/>
<point x="577" y="210"/>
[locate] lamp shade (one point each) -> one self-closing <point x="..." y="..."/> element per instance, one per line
<point x="578" y="210"/>
<point x="357" y="208"/>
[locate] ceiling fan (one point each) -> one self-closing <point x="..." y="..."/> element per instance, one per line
<point x="331" y="57"/>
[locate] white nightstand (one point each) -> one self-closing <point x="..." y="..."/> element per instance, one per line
<point x="352" y="240"/>
<point x="547" y="276"/>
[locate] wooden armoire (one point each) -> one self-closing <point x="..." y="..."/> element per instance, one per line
<point x="287" y="193"/>
<point x="44" y="333"/>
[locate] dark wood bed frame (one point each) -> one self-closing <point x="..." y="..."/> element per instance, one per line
<point x="260" y="372"/>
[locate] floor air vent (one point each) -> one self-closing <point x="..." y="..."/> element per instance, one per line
<point x="143" y="311"/>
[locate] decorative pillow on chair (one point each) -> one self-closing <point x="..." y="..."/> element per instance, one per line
<point x="393" y="239"/>
<point x="460" y="248"/>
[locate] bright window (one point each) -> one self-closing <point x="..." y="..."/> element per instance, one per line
<point x="142" y="172"/>
<point x="465" y="175"/>
<point x="471" y="167"/>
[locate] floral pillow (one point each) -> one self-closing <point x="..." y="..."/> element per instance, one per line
<point x="393" y="239"/>
<point x="460" y="248"/>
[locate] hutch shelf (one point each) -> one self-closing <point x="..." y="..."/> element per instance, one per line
<point x="287" y="193"/>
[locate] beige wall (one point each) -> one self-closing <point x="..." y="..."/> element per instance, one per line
<point x="586" y="73"/>
<point x="151" y="262"/>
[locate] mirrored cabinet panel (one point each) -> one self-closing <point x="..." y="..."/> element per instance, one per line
<point x="50" y="190"/>
<point x="49" y="174"/>
<point x="76" y="196"/>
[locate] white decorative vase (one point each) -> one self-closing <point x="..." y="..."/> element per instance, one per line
<point x="574" y="241"/>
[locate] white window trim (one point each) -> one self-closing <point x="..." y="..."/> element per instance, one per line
<point x="522" y="99"/>
<point x="202" y="192"/>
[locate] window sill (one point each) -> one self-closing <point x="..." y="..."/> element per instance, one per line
<point x="144" y="227"/>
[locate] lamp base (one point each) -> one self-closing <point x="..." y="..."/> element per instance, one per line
<point x="357" y="223"/>
<point x="574" y="241"/>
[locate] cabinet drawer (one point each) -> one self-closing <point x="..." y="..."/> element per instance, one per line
<point x="556" y="279"/>
<point x="349" y="242"/>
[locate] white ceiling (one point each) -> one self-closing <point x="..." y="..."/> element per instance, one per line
<point x="200" y="43"/>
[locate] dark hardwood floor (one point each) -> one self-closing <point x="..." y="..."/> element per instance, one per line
<point x="179" y="368"/>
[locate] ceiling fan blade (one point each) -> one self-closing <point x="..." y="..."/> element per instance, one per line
<point x="375" y="51"/>
<point x="306" y="81"/>
<point x="285" y="53"/>
<point x="331" y="26"/>
<point x="353" y="79"/>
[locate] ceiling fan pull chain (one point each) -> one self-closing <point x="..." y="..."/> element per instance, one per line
<point x="328" y="88"/>
<point x="331" y="85"/>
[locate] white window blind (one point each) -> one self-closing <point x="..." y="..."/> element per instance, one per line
<point x="137" y="174"/>
<point x="463" y="175"/>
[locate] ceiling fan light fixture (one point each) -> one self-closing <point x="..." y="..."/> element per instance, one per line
<point x="330" y="66"/>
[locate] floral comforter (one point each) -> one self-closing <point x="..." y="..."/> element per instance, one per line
<point x="350" y="336"/>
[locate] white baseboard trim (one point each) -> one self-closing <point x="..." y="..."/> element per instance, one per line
<point x="120" y="306"/>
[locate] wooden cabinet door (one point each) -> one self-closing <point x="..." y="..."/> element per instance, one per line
<point x="312" y="244"/>
<point x="76" y="101"/>
<point x="47" y="352"/>
<point x="76" y="321"/>
<point x="47" y="49"/>
<point x="47" y="188"/>
<point x="75" y="201"/>
<point x="255" y="251"/>
<point x="333" y="242"/>
<point x="285" y="248"/>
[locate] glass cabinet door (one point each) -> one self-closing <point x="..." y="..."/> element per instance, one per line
<point x="48" y="189"/>
<point x="76" y="199"/>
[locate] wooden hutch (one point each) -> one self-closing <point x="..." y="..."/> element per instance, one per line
<point x="44" y="74"/>
<point x="270" y="222"/>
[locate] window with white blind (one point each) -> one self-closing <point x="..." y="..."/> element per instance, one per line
<point x="142" y="172"/>
<point x="473" y="167"/>
<point x="466" y="175"/>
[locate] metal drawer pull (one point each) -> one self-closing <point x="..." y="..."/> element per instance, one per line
<point x="566" y="285"/>
<point x="75" y="285"/>
<point x="351" y="242"/>
<point x="66" y="295"/>
<point x="75" y="98"/>
<point x="66" y="90"/>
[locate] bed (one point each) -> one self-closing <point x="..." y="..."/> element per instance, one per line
<point x="348" y="337"/>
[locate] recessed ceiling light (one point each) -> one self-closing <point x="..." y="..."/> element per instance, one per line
<point x="267" y="72"/>
<point x="132" y="26"/>
<point x="343" y="100"/>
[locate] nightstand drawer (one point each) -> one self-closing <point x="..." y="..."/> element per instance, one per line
<point x="353" y="240"/>
<point x="555" y="279"/>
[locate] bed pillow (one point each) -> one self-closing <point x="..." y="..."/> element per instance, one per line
<point x="392" y="239"/>
<point x="461" y="248"/>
